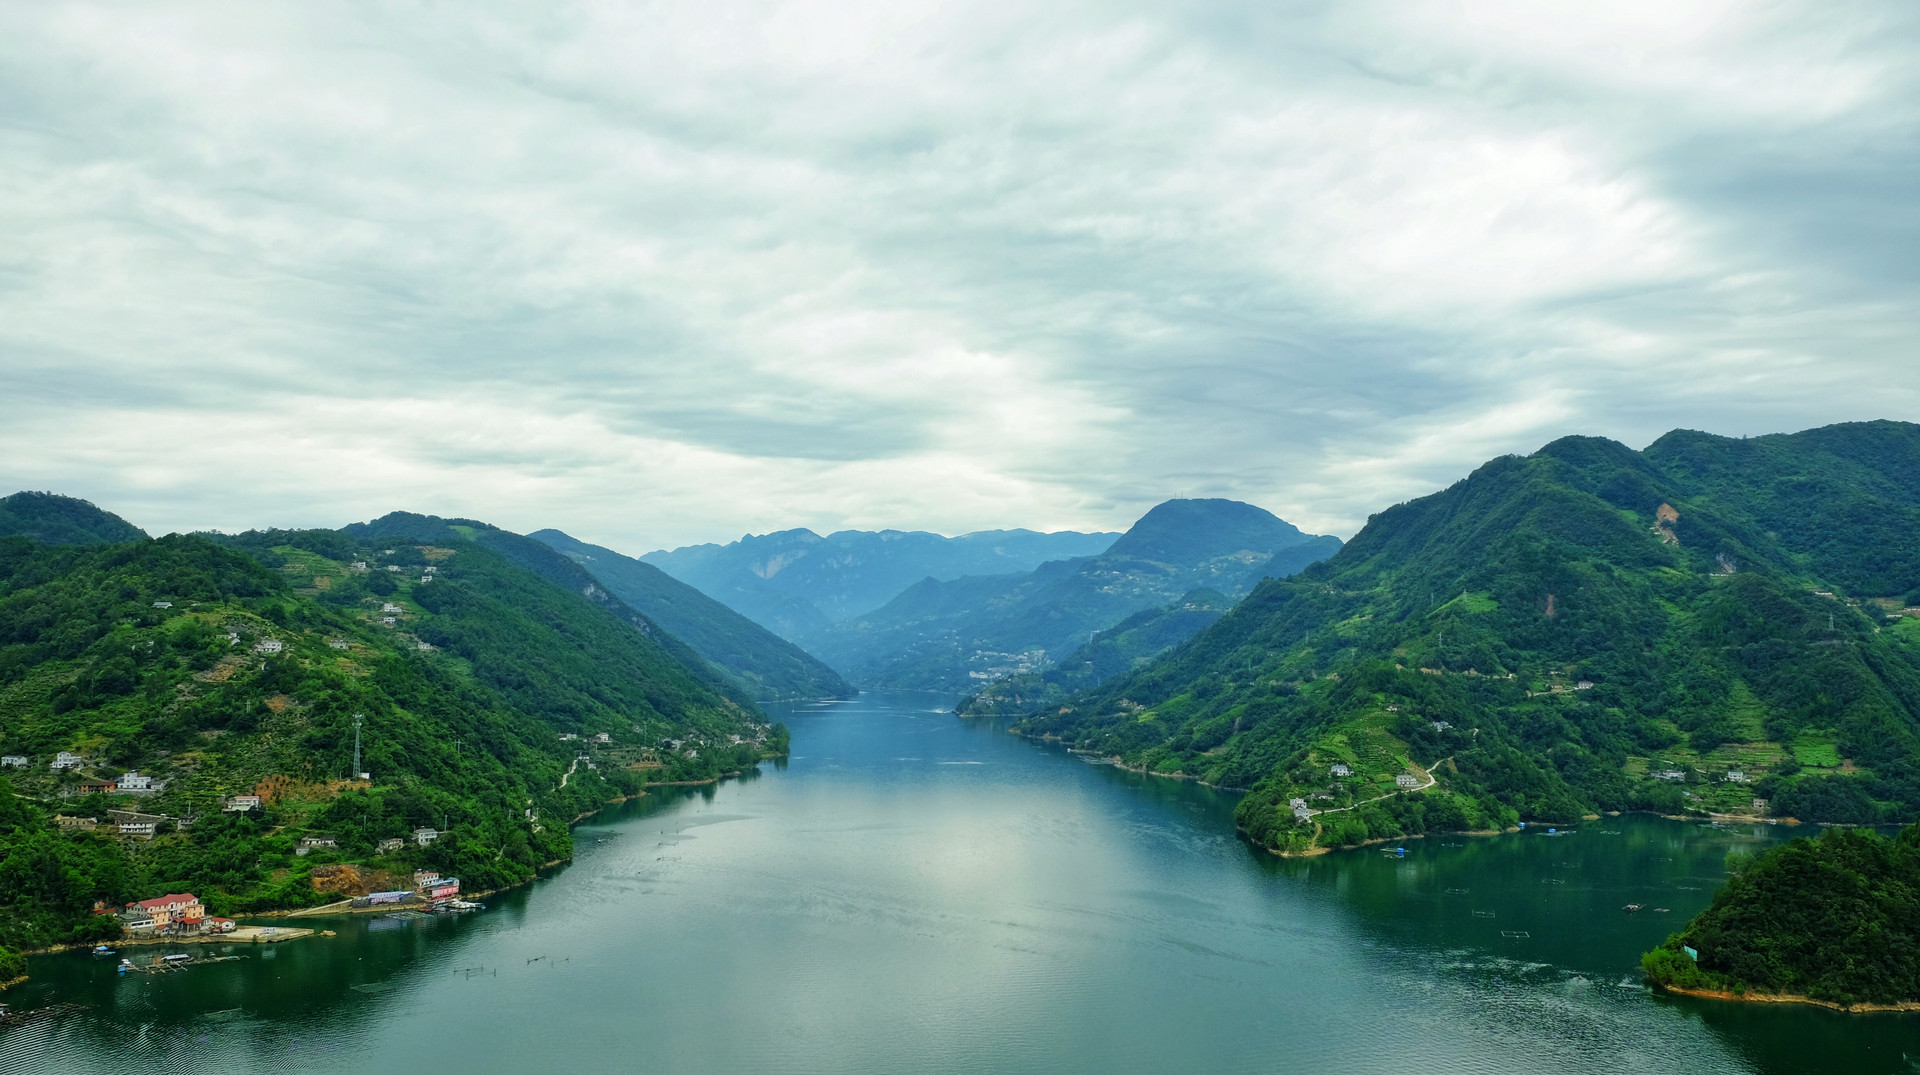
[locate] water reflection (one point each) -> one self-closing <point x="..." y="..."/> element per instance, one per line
<point x="914" y="893"/>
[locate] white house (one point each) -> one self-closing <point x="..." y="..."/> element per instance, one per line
<point x="269" y="645"/>
<point x="424" y="579"/>
<point x="338" y="643"/>
<point x="1441" y="725"/>
<point x="390" y="608"/>
<point x="1736" y="776"/>
<point x="389" y="620"/>
<point x="602" y="737"/>
<point x="1342" y="770"/>
<point x="389" y="845"/>
<point x="423" y="837"/>
<point x="1669" y="774"/>
<point x="133" y="781"/>
<point x="65" y="760"/>
<point x="1406" y="780"/>
<point x="430" y="570"/>
<point x="318" y="841"/>
<point x="393" y="567"/>
<point x="240" y="804"/>
<point x="138" y="828"/>
<point x="13" y="761"/>
<point x="163" y="604"/>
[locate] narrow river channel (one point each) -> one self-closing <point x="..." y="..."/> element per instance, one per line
<point x="912" y="893"/>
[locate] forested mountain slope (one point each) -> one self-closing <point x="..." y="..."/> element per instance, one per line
<point x="1586" y="628"/>
<point x="1835" y="919"/>
<point x="766" y="665"/>
<point x="950" y="635"/>
<point x="62" y="520"/>
<point x="238" y="666"/>
<point x="796" y="582"/>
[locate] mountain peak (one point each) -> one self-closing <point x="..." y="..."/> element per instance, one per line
<point x="1189" y="531"/>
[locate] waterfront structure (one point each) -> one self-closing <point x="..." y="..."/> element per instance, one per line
<point x="174" y="911"/>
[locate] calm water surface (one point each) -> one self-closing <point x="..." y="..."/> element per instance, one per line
<point x="911" y="893"/>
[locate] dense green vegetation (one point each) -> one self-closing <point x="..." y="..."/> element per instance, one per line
<point x="763" y="664"/>
<point x="62" y="520"/>
<point x="949" y="635"/>
<point x="238" y="665"/>
<point x="1835" y="918"/>
<point x="1551" y="635"/>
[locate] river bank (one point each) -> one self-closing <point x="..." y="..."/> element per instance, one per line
<point x="1860" y="1008"/>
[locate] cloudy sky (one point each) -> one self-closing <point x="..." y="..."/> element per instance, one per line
<point x="658" y="274"/>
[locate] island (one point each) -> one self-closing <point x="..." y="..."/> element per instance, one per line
<point x="1833" y="921"/>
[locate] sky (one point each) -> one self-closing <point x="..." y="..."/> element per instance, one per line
<point x="665" y="274"/>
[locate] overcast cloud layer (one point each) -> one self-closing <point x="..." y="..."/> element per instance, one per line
<point x="665" y="274"/>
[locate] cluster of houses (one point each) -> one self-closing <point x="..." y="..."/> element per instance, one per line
<point x="172" y="915"/>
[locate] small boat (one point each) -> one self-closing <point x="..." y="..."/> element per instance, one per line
<point x="103" y="950"/>
<point x="1632" y="908"/>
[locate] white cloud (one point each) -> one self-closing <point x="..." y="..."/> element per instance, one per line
<point x="667" y="273"/>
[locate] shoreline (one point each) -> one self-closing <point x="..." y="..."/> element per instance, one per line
<point x="1860" y="1008"/>
<point x="10" y="985"/>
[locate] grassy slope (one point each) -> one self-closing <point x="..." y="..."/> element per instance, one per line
<point x="1438" y="612"/>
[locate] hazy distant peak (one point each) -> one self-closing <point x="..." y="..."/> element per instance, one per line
<point x="1183" y="531"/>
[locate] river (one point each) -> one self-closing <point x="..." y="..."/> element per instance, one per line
<point x="913" y="893"/>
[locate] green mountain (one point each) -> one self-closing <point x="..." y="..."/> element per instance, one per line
<point x="951" y="635"/>
<point x="1689" y="628"/>
<point x="1835" y="919"/>
<point x="233" y="665"/>
<point x="765" y="665"/>
<point x="797" y="583"/>
<point x="62" y="520"/>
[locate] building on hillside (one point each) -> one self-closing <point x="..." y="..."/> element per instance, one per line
<point x="338" y="643"/>
<point x="390" y="608"/>
<point x="65" y="760"/>
<point x="393" y="567"/>
<point x="135" y="923"/>
<point x="1441" y="725"/>
<point x="1736" y="776"/>
<point x="430" y="569"/>
<point x="602" y="737"/>
<point x="1342" y="770"/>
<point x="13" y="761"/>
<point x="568" y="737"/>
<point x="67" y="823"/>
<point x="139" y="828"/>
<point x="1584" y="685"/>
<point x="240" y="804"/>
<point x="269" y="645"/>
<point x="1406" y="780"/>
<point x="319" y="842"/>
<point x="389" y="845"/>
<point x="357" y="565"/>
<point x="424" y="836"/>
<point x="424" y="579"/>
<point x="93" y="787"/>
<point x="133" y="781"/>
<point x="173" y="912"/>
<point x="1669" y="774"/>
<point x="389" y="620"/>
<point x="163" y="604"/>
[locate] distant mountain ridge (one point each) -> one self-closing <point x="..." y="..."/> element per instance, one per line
<point x="795" y="582"/>
<point x="768" y="665"/>
<point x="952" y="634"/>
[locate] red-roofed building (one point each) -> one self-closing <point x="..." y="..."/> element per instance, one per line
<point x="172" y="911"/>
